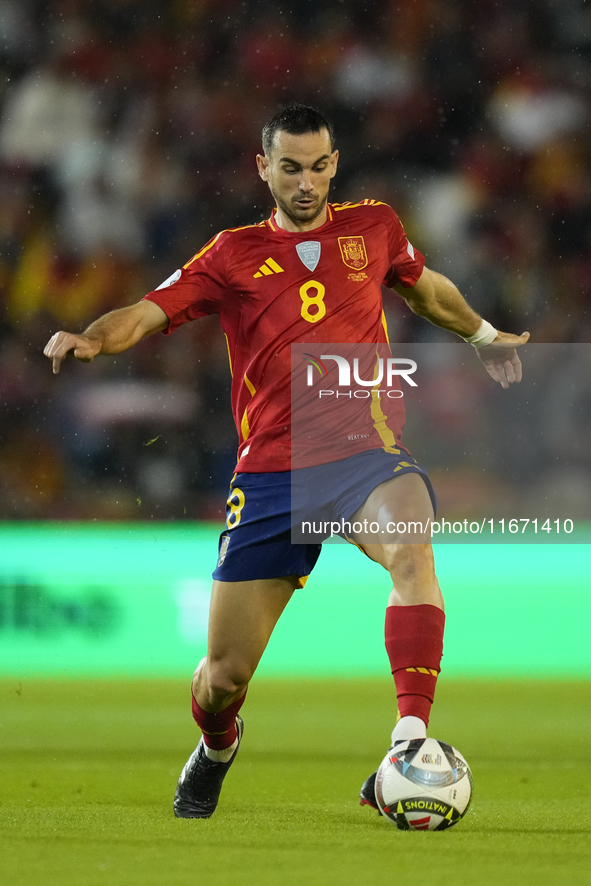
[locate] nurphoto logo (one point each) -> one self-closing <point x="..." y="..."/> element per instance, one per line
<point x="386" y="372"/>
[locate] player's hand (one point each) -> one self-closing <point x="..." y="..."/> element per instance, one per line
<point x="85" y="349"/>
<point x="500" y="358"/>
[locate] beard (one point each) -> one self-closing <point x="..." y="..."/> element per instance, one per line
<point x="298" y="215"/>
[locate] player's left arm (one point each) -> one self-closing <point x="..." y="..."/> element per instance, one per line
<point x="438" y="300"/>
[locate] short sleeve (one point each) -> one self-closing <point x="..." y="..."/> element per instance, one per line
<point x="406" y="262"/>
<point x="196" y="289"/>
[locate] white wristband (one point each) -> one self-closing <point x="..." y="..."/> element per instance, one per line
<point x="485" y="333"/>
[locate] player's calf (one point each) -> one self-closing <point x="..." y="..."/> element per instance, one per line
<point x="414" y="643"/>
<point x="218" y="684"/>
<point x="218" y="728"/>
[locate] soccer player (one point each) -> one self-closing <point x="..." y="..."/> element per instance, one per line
<point x="311" y="272"/>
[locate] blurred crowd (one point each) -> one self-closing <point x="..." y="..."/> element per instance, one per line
<point x="128" y="132"/>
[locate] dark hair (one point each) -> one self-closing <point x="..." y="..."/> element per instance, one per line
<point x="296" y="119"/>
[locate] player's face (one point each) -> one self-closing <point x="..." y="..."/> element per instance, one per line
<point x="298" y="173"/>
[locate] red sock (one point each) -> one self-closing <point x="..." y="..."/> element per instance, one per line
<point x="219" y="729"/>
<point x="414" y="643"/>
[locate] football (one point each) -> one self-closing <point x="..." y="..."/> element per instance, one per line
<point x="423" y="785"/>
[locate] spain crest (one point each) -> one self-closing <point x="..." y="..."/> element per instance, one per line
<point x="353" y="252"/>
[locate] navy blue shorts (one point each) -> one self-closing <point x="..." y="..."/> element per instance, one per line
<point x="258" y="540"/>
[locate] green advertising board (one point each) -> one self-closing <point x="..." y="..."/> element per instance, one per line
<point x="132" y="600"/>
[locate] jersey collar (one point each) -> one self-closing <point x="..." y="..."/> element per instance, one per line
<point x="271" y="223"/>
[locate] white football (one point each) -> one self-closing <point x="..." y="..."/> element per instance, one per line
<point x="423" y="785"/>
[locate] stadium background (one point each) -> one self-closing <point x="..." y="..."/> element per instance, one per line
<point x="127" y="136"/>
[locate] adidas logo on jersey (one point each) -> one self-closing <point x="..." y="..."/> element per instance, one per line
<point x="268" y="268"/>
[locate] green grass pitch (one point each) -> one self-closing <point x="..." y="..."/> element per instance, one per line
<point x="88" y="770"/>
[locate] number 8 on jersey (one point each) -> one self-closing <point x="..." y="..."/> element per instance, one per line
<point x="316" y="301"/>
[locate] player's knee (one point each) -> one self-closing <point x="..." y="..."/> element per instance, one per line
<point x="409" y="561"/>
<point x="227" y="678"/>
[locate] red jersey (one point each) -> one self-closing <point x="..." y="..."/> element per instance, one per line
<point x="273" y="288"/>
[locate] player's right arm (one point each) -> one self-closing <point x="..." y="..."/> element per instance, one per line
<point x="110" y="334"/>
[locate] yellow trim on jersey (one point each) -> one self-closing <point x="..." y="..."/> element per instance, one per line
<point x="229" y="354"/>
<point x="249" y="385"/>
<point x="244" y="425"/>
<point x="379" y="420"/>
<point x="204" y="250"/>
<point x="379" y="423"/>
<point x="339" y="206"/>
<point x="385" y="325"/>
<point x="211" y="243"/>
